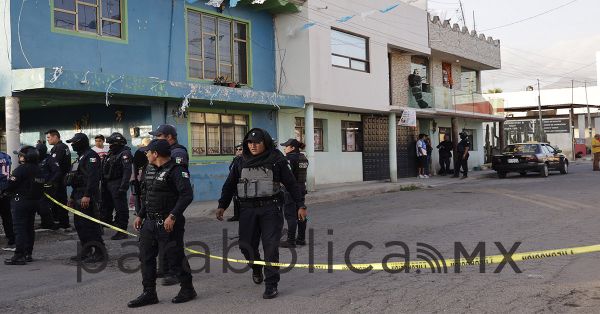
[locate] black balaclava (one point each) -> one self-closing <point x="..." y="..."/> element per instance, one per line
<point x="269" y="156"/>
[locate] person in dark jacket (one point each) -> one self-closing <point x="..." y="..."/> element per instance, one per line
<point x="445" y="153"/>
<point x="5" y="169"/>
<point x="25" y="187"/>
<point x="257" y="181"/>
<point x="299" y="164"/>
<point x="62" y="154"/>
<point x="236" y="203"/>
<point x="51" y="173"/>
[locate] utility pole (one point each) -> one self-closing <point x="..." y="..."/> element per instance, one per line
<point x="462" y="12"/>
<point x="474" y="25"/>
<point x="541" y="122"/>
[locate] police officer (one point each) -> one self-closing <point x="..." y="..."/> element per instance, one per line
<point x="61" y="153"/>
<point x="51" y="173"/>
<point x="166" y="193"/>
<point x="25" y="187"/>
<point x="257" y="180"/>
<point x="236" y="202"/>
<point x="299" y="164"/>
<point x="462" y="150"/>
<point x="5" y="214"/>
<point x="84" y="178"/>
<point x="180" y="155"/>
<point x="116" y="173"/>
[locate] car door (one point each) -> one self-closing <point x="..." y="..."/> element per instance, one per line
<point x="544" y="154"/>
<point x="552" y="156"/>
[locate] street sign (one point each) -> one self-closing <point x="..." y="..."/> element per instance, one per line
<point x="556" y="126"/>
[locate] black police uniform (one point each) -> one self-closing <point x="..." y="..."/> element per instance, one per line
<point x="62" y="154"/>
<point x="299" y="164"/>
<point x="236" y="200"/>
<point x="165" y="190"/>
<point x="5" y="214"/>
<point x="461" y="160"/>
<point x="445" y="153"/>
<point x="52" y="175"/>
<point x="84" y="178"/>
<point x="25" y="186"/>
<point x="260" y="216"/>
<point x="115" y="183"/>
<point x="179" y="154"/>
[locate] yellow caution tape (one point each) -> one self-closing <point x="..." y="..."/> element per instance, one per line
<point x="488" y="260"/>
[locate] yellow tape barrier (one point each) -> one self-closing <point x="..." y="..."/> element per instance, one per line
<point x="494" y="259"/>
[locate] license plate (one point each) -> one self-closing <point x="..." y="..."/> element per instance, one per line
<point x="513" y="161"/>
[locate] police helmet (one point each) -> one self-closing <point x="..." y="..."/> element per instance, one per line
<point x="42" y="149"/>
<point x="29" y="153"/>
<point x="116" y="138"/>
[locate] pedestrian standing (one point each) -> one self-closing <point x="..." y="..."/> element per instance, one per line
<point x="236" y="201"/>
<point x="462" y="158"/>
<point x="116" y="173"/>
<point x="99" y="146"/>
<point x="257" y="180"/>
<point x="166" y="193"/>
<point x="429" y="149"/>
<point x="299" y="165"/>
<point x="25" y="187"/>
<point x="62" y="154"/>
<point x="51" y="173"/>
<point x="596" y="151"/>
<point x="445" y="153"/>
<point x="5" y="214"/>
<point x="84" y="178"/>
<point x="421" y="156"/>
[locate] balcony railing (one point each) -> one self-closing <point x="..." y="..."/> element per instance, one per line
<point x="446" y="99"/>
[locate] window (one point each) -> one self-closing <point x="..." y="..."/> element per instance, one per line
<point x="421" y="65"/>
<point x="471" y="136"/>
<point x="443" y="132"/>
<point x="217" y="47"/>
<point x="349" y="51"/>
<point x="468" y="80"/>
<point x="299" y="133"/>
<point x="101" y="17"/>
<point x="351" y="136"/>
<point x="215" y="134"/>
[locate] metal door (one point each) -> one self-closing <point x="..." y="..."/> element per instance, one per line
<point x="406" y="151"/>
<point x="375" y="148"/>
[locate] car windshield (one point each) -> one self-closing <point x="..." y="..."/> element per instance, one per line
<point x="521" y="148"/>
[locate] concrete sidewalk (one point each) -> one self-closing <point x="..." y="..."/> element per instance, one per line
<point x="334" y="192"/>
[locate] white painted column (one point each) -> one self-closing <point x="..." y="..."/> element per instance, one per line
<point x="309" y="138"/>
<point x="392" y="147"/>
<point x="13" y="129"/>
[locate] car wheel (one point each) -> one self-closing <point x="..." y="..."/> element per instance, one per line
<point x="523" y="173"/>
<point x="501" y="175"/>
<point x="544" y="171"/>
<point x="564" y="167"/>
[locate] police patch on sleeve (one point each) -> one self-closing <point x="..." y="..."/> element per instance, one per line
<point x="178" y="160"/>
<point x="13" y="178"/>
<point x="185" y="174"/>
<point x="93" y="159"/>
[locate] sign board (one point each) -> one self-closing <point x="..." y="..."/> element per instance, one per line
<point x="408" y="118"/>
<point x="528" y="126"/>
<point x="556" y="126"/>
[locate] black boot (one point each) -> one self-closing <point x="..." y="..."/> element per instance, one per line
<point x="270" y="292"/>
<point x="288" y="243"/>
<point x="185" y="294"/>
<point x="28" y="258"/>
<point x="300" y="242"/>
<point x="15" y="260"/>
<point x="257" y="275"/>
<point x="234" y="218"/>
<point x="169" y="280"/>
<point x="147" y="297"/>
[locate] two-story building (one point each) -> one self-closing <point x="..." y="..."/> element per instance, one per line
<point x="352" y="60"/>
<point x="103" y="66"/>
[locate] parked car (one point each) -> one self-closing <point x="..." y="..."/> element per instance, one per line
<point x="530" y="157"/>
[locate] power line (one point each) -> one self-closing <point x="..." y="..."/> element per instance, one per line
<point x="531" y="17"/>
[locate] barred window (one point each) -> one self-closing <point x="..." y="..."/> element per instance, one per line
<point x="216" y="134"/>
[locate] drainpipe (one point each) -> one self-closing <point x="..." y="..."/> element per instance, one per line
<point x="13" y="129"/>
<point x="309" y="138"/>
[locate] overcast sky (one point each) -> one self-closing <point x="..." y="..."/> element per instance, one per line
<point x="556" y="47"/>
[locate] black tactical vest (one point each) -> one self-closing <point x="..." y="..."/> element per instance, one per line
<point x="32" y="187"/>
<point x="77" y="177"/>
<point x="160" y="195"/>
<point x="300" y="172"/>
<point x="257" y="183"/>
<point x="112" y="166"/>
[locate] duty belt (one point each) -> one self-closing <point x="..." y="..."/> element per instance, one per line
<point x="156" y="216"/>
<point x="257" y="203"/>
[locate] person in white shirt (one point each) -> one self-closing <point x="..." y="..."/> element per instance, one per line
<point x="421" y="156"/>
<point x="99" y="146"/>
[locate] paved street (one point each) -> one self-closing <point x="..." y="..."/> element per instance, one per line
<point x="557" y="212"/>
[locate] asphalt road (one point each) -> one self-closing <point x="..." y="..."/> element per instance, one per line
<point x="560" y="211"/>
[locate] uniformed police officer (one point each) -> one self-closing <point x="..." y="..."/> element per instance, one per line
<point x="5" y="167"/>
<point x="84" y="178"/>
<point x="166" y="193"/>
<point x="51" y="173"/>
<point x="180" y="155"/>
<point x="116" y="173"/>
<point x="236" y="202"/>
<point x="257" y="181"/>
<point x="25" y="187"/>
<point x="462" y="150"/>
<point x="61" y="153"/>
<point x="299" y="164"/>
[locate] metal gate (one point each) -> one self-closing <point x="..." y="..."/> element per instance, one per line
<point x="375" y="148"/>
<point x="406" y="151"/>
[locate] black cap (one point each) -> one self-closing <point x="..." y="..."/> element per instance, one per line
<point x="255" y="137"/>
<point x="162" y="147"/>
<point x="291" y="142"/>
<point x="77" y="137"/>
<point x="239" y="145"/>
<point x="164" y="129"/>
